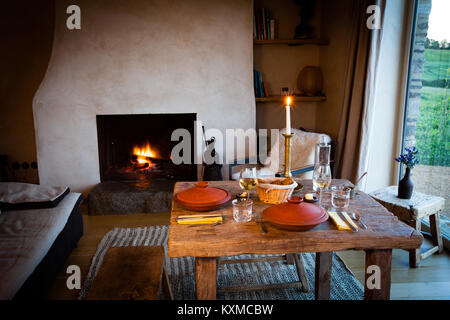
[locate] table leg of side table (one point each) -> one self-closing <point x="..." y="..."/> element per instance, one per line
<point x="206" y="278"/>
<point x="414" y="255"/>
<point x="323" y="275"/>
<point x="377" y="282"/>
<point x="435" y="227"/>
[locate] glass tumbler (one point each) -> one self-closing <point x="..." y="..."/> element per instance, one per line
<point x="340" y="197"/>
<point x="242" y="210"/>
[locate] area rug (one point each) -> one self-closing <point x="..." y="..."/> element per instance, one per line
<point x="181" y="271"/>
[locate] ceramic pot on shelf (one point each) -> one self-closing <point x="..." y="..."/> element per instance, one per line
<point x="406" y="186"/>
<point x="310" y="81"/>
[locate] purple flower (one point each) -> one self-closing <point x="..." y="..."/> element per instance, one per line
<point x="409" y="158"/>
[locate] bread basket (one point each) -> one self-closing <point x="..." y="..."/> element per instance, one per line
<point x="269" y="192"/>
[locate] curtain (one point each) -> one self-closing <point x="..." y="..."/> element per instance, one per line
<point x="358" y="102"/>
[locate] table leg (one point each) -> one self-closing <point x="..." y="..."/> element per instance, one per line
<point x="206" y="278"/>
<point x="435" y="228"/>
<point x="323" y="275"/>
<point x="377" y="282"/>
<point x="414" y="254"/>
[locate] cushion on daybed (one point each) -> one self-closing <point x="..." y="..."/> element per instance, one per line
<point x="21" y="196"/>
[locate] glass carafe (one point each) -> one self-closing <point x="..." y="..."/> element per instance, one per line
<point x="322" y="170"/>
<point x="322" y="153"/>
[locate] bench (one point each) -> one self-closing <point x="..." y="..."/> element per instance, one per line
<point x="131" y="273"/>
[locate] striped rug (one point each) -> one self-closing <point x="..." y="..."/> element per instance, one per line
<point x="181" y="271"/>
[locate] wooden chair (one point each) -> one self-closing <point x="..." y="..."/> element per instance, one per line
<point x="294" y="171"/>
<point x="131" y="273"/>
<point x="292" y="258"/>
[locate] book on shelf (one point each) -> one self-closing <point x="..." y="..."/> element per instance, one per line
<point x="259" y="86"/>
<point x="263" y="20"/>
<point x="264" y="27"/>
<point x="272" y="29"/>
<point x="266" y="91"/>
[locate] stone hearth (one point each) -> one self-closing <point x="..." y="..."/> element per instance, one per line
<point x="125" y="197"/>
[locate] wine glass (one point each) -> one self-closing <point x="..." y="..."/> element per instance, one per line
<point x="248" y="179"/>
<point x="321" y="179"/>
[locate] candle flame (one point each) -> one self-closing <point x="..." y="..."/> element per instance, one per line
<point x="288" y="101"/>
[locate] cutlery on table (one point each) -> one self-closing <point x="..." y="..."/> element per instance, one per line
<point x="342" y="216"/>
<point x="355" y="216"/>
<point x="206" y="224"/>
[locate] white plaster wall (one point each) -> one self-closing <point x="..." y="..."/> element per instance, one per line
<point x="140" y="57"/>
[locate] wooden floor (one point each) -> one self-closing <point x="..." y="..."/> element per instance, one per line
<point x="430" y="281"/>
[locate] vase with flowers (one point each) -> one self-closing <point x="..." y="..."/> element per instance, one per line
<point x="409" y="159"/>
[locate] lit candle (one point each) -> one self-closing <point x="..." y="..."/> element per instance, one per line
<point x="288" y="115"/>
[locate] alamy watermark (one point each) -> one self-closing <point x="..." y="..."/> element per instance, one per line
<point x="74" y="20"/>
<point x="374" y="20"/>
<point x="373" y="281"/>
<point x="231" y="146"/>
<point x="74" y="279"/>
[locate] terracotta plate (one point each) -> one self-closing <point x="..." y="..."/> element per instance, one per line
<point x="202" y="198"/>
<point x="295" y="215"/>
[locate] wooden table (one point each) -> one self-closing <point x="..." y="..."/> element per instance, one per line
<point x="208" y="243"/>
<point x="412" y="211"/>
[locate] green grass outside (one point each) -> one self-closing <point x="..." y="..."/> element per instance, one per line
<point x="436" y="64"/>
<point x="432" y="131"/>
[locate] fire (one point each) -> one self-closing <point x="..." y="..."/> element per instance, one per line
<point x="288" y="101"/>
<point x="144" y="153"/>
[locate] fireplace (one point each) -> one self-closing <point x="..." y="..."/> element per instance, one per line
<point x="138" y="147"/>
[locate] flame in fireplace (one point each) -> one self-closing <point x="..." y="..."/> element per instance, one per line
<point x="144" y="153"/>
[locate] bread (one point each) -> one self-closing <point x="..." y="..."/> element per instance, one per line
<point x="284" y="182"/>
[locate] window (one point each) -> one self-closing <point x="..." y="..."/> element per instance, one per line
<point x="426" y="123"/>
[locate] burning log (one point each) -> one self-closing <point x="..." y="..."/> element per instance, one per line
<point x="155" y="160"/>
<point x="135" y="158"/>
<point x="140" y="166"/>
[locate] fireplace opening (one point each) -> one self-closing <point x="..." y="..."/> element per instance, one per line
<point x="138" y="147"/>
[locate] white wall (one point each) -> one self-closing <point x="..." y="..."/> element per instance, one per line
<point x="140" y="57"/>
<point x="389" y="101"/>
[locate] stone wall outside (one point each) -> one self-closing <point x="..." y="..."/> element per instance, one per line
<point x="433" y="180"/>
<point x="417" y="68"/>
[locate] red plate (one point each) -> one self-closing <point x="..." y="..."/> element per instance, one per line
<point x="295" y="215"/>
<point x="202" y="198"/>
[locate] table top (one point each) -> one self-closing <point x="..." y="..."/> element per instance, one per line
<point x="384" y="231"/>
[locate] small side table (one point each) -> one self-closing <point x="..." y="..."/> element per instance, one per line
<point x="411" y="212"/>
